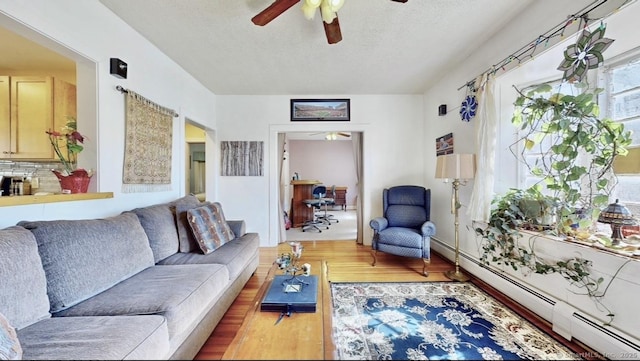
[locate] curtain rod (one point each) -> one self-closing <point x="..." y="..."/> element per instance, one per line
<point x="171" y="111"/>
<point x="531" y="47"/>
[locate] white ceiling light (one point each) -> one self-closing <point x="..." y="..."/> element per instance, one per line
<point x="328" y="9"/>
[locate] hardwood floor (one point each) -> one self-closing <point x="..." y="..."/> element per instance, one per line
<point x="347" y="261"/>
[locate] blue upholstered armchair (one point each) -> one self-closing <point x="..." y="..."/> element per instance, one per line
<point x="405" y="228"/>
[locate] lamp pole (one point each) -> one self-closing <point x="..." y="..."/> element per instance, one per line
<point x="457" y="275"/>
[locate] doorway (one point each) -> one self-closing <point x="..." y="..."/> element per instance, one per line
<point x="332" y="162"/>
<point x="195" y="172"/>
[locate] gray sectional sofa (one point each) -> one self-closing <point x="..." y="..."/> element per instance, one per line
<point x="131" y="286"/>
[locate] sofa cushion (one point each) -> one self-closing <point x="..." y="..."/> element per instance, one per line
<point x="10" y="348"/>
<point x="159" y="224"/>
<point x="97" y="338"/>
<point x="209" y="226"/>
<point x="235" y="255"/>
<point x="188" y="199"/>
<point x="181" y="293"/>
<point x="188" y="242"/>
<point x="82" y="258"/>
<point x="20" y="265"/>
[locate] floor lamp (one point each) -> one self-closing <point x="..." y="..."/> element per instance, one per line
<point x="460" y="168"/>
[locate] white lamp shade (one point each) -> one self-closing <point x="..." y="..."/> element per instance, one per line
<point x="456" y="166"/>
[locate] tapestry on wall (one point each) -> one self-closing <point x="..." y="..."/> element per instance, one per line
<point x="148" y="145"/>
<point x="242" y="158"/>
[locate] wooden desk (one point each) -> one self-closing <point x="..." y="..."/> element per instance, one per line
<point x="300" y="213"/>
<point x="302" y="336"/>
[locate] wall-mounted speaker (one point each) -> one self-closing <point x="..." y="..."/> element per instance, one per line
<point x="118" y="68"/>
<point x="442" y="109"/>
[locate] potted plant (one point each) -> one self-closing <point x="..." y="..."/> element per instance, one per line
<point x="67" y="144"/>
<point x="577" y="148"/>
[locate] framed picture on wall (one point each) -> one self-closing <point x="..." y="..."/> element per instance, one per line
<point x="303" y="110"/>
<point x="444" y="144"/>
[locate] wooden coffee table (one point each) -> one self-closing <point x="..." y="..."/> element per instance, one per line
<point x="301" y="336"/>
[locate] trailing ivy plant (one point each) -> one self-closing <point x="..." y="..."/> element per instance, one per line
<point x="576" y="153"/>
<point x="502" y="245"/>
<point x="577" y="148"/>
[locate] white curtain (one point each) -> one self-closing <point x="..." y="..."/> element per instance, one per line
<point x="486" y="128"/>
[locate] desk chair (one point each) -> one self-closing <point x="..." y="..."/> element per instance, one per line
<point x="316" y="222"/>
<point x="330" y="200"/>
<point x="316" y="203"/>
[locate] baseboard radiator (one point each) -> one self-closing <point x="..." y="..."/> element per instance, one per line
<point x="565" y="320"/>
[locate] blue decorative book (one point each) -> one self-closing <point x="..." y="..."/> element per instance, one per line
<point x="287" y="294"/>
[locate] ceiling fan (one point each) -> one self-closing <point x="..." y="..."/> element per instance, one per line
<point x="328" y="9"/>
<point x="332" y="135"/>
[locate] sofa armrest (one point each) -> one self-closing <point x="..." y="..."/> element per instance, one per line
<point x="378" y="224"/>
<point x="239" y="227"/>
<point x="428" y="229"/>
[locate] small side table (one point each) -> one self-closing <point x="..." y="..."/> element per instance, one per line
<point x="341" y="197"/>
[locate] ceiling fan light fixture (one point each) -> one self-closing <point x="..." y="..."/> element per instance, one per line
<point x="313" y="3"/>
<point x="327" y="12"/>
<point x="308" y="11"/>
<point x="335" y="4"/>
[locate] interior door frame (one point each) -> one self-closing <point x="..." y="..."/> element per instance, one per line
<point x="274" y="168"/>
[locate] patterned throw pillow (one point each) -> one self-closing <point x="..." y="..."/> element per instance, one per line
<point x="10" y="348"/>
<point x="209" y="227"/>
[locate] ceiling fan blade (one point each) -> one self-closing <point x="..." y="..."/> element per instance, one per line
<point x="344" y="134"/>
<point x="273" y="11"/>
<point x="333" y="31"/>
<point x="400" y="1"/>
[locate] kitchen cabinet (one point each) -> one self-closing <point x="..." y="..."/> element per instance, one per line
<point x="29" y="106"/>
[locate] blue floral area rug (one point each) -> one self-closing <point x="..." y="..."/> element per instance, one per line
<point x="433" y="321"/>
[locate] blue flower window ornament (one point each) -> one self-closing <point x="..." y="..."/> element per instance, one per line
<point x="468" y="108"/>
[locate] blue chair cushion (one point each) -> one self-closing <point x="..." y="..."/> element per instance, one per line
<point x="404" y="237"/>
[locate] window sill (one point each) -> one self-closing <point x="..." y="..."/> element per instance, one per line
<point x="52" y="198"/>
<point x="624" y="249"/>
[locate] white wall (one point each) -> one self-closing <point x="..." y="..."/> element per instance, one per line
<point x="91" y="30"/>
<point x="621" y="26"/>
<point x="392" y="127"/>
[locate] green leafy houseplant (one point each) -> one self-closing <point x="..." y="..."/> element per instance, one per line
<point x="67" y="144"/>
<point x="578" y="148"/>
<point x="502" y="245"/>
<point x="576" y="153"/>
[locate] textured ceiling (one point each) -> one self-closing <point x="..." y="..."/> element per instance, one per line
<point x="387" y="47"/>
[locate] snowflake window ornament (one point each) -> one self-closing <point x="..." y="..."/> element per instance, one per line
<point x="468" y="108"/>
<point x="585" y="54"/>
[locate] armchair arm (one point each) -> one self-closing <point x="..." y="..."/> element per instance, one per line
<point x="378" y="224"/>
<point x="428" y="229"/>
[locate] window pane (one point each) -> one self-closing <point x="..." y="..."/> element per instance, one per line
<point x="634" y="126"/>
<point x="625" y="77"/>
<point x="626" y="105"/>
